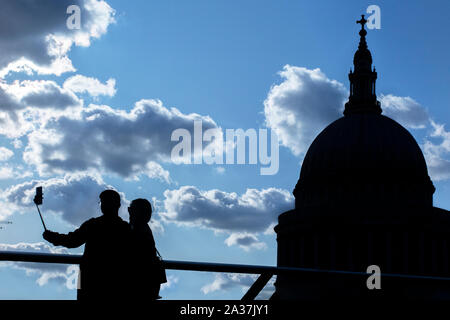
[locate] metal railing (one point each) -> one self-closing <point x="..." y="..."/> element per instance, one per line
<point x="265" y="272"/>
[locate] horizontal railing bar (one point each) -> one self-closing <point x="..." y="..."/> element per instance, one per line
<point x="18" y="256"/>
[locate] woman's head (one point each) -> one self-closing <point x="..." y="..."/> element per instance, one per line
<point x="140" y="211"/>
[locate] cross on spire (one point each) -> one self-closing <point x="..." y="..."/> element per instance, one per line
<point x="362" y="22"/>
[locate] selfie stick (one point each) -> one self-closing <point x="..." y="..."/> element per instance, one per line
<point x="37" y="201"/>
<point x="41" y="217"/>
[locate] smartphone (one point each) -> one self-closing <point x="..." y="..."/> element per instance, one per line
<point x="38" y="196"/>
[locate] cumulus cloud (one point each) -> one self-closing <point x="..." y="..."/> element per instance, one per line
<point x="5" y="154"/>
<point x="15" y="124"/>
<point x="73" y="197"/>
<point x="24" y="105"/>
<point x="241" y="216"/>
<point x="46" y="271"/>
<point x="92" y="86"/>
<point x="405" y="110"/>
<point x="8" y="208"/>
<point x="16" y="172"/>
<point x="12" y="122"/>
<point x="17" y="144"/>
<point x="435" y="153"/>
<point x="34" y="36"/>
<point x="302" y="105"/>
<point x="38" y="94"/>
<point x="245" y="241"/>
<point x="7" y="101"/>
<point x="6" y="173"/>
<point x="244" y="281"/>
<point x="44" y="94"/>
<point x="110" y="140"/>
<point x="252" y="211"/>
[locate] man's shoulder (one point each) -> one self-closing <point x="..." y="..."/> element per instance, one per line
<point x="91" y="222"/>
<point x="124" y="224"/>
<point x="120" y="221"/>
<point x="99" y="225"/>
<point x="115" y="221"/>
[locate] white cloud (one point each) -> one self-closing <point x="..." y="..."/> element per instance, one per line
<point x="8" y="208"/>
<point x="24" y="105"/>
<point x="40" y="94"/>
<point x="252" y="211"/>
<point x="100" y="138"/>
<point x="15" y="124"/>
<point x="18" y="172"/>
<point x="6" y="173"/>
<point x="92" y="86"/>
<point x="5" y="154"/>
<point x="408" y="112"/>
<point x="245" y="241"/>
<point x="219" y="283"/>
<point x="34" y="37"/>
<point x="17" y="144"/>
<point x="302" y="105"/>
<point x="435" y="153"/>
<point x="243" y="217"/>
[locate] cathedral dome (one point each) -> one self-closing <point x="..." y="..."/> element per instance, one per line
<point x="363" y="159"/>
<point x="362" y="151"/>
<point x="364" y="145"/>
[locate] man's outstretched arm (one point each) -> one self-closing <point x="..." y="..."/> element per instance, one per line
<point x="71" y="240"/>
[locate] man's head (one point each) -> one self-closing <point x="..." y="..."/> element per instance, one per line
<point x="110" y="202"/>
<point x="140" y="211"/>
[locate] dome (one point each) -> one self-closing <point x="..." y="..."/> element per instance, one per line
<point x="366" y="155"/>
<point x="364" y="144"/>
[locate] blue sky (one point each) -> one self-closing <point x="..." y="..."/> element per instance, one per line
<point x="251" y="65"/>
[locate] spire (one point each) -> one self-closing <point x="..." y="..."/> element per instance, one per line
<point x="362" y="33"/>
<point x="362" y="98"/>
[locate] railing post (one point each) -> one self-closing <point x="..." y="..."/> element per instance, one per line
<point x="257" y="286"/>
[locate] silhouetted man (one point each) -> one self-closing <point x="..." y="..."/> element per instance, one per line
<point x="146" y="277"/>
<point x="106" y="239"/>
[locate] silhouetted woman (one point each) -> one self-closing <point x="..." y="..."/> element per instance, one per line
<point x="145" y="276"/>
